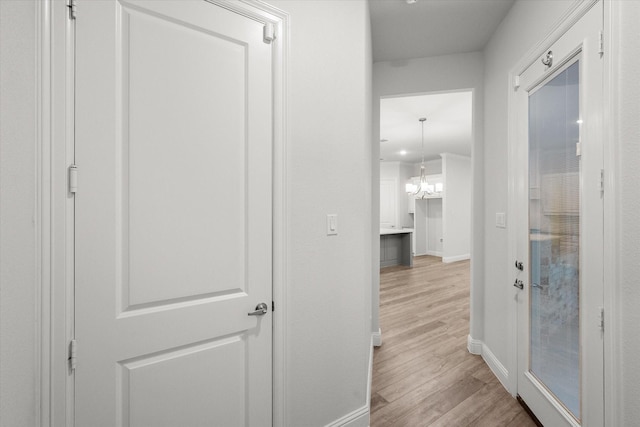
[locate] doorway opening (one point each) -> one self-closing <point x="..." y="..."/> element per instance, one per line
<point x="426" y="180"/>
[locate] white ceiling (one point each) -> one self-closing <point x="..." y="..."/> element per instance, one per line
<point x="432" y="27"/>
<point x="448" y="128"/>
<point x="428" y="28"/>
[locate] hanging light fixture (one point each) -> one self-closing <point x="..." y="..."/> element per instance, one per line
<point x="422" y="186"/>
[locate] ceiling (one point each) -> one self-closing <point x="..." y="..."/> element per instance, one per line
<point x="427" y="28"/>
<point x="448" y="128"/>
<point x="433" y="27"/>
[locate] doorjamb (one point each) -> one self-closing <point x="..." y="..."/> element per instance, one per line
<point x="612" y="293"/>
<point x="54" y="206"/>
<point x="54" y="213"/>
<point x="577" y="10"/>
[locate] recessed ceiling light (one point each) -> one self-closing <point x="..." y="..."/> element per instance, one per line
<point x="411" y="1"/>
<point x="403" y="152"/>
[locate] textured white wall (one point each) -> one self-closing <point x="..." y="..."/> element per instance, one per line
<point x="17" y="213"/>
<point x="628" y="177"/>
<point x="329" y="171"/>
<point x="527" y="23"/>
<point x="437" y="74"/>
<point x="329" y="277"/>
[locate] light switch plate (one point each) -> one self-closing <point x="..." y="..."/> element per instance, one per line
<point x="501" y="220"/>
<point x="332" y="224"/>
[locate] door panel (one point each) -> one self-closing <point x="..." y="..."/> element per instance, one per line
<point x="388" y="203"/>
<point x="560" y="228"/>
<point x="554" y="237"/>
<point x="173" y="216"/>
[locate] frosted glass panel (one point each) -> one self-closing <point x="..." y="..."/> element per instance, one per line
<point x="554" y="230"/>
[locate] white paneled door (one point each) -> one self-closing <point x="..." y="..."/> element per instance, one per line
<point x="173" y="216"/>
<point x="559" y="267"/>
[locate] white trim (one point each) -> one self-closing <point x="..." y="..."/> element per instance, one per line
<point x="576" y="11"/>
<point x="573" y="14"/>
<point x="370" y="374"/>
<point x="264" y="12"/>
<point x="540" y="388"/>
<point x="456" y="258"/>
<point x="432" y="253"/>
<point x="357" y="418"/>
<point x="43" y="230"/>
<point x="478" y="347"/>
<point x="281" y="217"/>
<point x="613" y="407"/>
<point x="498" y="369"/>
<point x="376" y="338"/>
<point x="474" y="346"/>
<point x="57" y="386"/>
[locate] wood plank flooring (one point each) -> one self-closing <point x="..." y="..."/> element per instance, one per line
<point x="423" y="374"/>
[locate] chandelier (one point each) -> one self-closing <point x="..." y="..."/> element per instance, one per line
<point x="422" y="188"/>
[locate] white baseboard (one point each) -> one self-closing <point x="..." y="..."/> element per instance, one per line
<point x="478" y="347"/>
<point x="370" y="374"/>
<point x="360" y="417"/>
<point x="474" y="346"/>
<point x="376" y="338"/>
<point x="456" y="258"/>
<point x="497" y="368"/>
<point x="434" y="253"/>
<point x="357" y="418"/>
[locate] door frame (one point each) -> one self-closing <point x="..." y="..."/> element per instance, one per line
<point x="476" y="231"/>
<point x="612" y="341"/>
<point x="54" y="206"/>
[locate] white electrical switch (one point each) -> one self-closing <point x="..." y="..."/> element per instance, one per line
<point x="501" y="220"/>
<point x="332" y="224"/>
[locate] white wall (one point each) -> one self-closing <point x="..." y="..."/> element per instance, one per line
<point x="423" y="75"/>
<point x="329" y="171"/>
<point x="525" y="25"/>
<point x="329" y="299"/>
<point x="456" y="209"/>
<point x="431" y="167"/>
<point x="17" y="214"/>
<point x="626" y="126"/>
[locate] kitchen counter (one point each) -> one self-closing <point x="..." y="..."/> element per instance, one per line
<point x="386" y="231"/>
<point x="396" y="247"/>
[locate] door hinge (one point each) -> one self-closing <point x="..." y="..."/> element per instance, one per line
<point x="516" y="82"/>
<point x="273" y="306"/>
<point x="269" y="33"/>
<point x="73" y="179"/>
<point x="601" y="318"/>
<point x="601" y="42"/>
<point x="578" y="149"/>
<point x="73" y="349"/>
<point x="602" y="181"/>
<point x="73" y="8"/>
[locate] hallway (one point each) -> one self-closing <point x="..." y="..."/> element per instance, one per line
<point x="423" y="374"/>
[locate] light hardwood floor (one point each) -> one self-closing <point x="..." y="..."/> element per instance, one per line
<point x="423" y="374"/>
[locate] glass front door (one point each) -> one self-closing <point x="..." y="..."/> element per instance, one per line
<point x="554" y="236"/>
